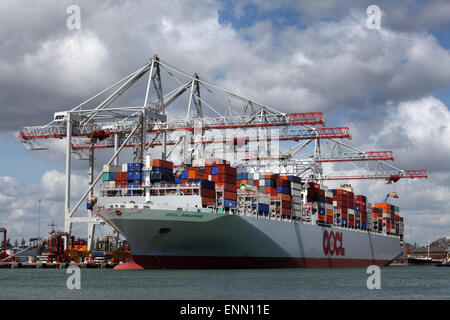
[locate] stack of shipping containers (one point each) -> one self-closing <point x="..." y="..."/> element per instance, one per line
<point x="219" y="184"/>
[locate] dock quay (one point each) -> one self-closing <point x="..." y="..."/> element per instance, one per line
<point x="55" y="265"/>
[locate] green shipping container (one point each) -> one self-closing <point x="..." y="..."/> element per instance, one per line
<point x="105" y="176"/>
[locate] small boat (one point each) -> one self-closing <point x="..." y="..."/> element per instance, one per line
<point x="446" y="261"/>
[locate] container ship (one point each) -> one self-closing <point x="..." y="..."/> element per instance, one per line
<point x="209" y="214"/>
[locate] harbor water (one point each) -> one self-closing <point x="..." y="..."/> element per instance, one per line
<point x="397" y="282"/>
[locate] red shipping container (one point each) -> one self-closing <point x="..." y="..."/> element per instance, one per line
<point x="286" y="204"/>
<point x="226" y="169"/>
<point x="162" y="164"/>
<point x="226" y="186"/>
<point x="224" y="178"/>
<point x="230" y="195"/>
<point x="341" y="204"/>
<point x="329" y="219"/>
<point x="272" y="176"/>
<point x="362" y="198"/>
<point x="208" y="201"/>
<point x="209" y="193"/>
<point x="341" y="192"/>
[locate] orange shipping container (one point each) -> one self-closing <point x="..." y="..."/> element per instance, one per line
<point x="197" y="175"/>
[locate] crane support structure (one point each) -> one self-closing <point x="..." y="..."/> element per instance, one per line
<point x="214" y="116"/>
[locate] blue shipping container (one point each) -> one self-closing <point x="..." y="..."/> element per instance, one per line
<point x="244" y="175"/>
<point x="184" y="174"/>
<point x="294" y="179"/>
<point x="284" y="190"/>
<point x="130" y="175"/>
<point x="238" y="176"/>
<point x="137" y="166"/>
<point x="112" y="176"/>
<point x="214" y="170"/>
<point x="229" y="203"/>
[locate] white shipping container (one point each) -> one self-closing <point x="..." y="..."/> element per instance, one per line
<point x="296" y="206"/>
<point x="124" y="167"/>
<point x="295" y="192"/>
<point x="296" y="186"/>
<point x="263" y="199"/>
<point x="351" y="211"/>
<point x="329" y="194"/>
<point x="297" y="199"/>
<point x="198" y="163"/>
<point x="323" y="187"/>
<point x="328" y="206"/>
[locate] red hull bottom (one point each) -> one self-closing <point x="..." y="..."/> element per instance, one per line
<point x="195" y="262"/>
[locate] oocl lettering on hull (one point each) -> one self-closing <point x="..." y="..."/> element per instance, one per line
<point x="333" y="243"/>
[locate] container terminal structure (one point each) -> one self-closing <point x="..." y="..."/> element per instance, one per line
<point x="219" y="187"/>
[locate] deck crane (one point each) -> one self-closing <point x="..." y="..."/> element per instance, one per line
<point x="246" y="127"/>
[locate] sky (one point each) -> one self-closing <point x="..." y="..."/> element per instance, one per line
<point x="390" y="86"/>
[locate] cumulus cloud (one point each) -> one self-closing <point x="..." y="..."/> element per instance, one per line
<point x="418" y="132"/>
<point x="19" y="203"/>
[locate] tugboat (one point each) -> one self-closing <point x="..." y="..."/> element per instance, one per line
<point x="446" y="261"/>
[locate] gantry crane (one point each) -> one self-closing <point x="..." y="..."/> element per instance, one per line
<point x="243" y="131"/>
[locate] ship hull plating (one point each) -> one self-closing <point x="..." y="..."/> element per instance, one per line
<point x="197" y="240"/>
